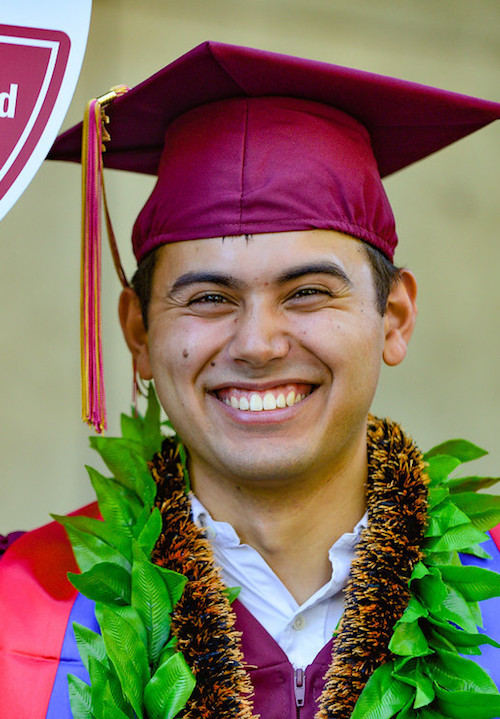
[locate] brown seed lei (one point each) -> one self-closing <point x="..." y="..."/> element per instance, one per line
<point x="376" y="595"/>
<point x="203" y="620"/>
<point x="377" y="591"/>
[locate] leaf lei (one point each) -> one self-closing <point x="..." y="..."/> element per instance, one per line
<point x="428" y="679"/>
<point x="134" y="666"/>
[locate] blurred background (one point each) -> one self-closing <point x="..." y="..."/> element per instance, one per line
<point x="447" y="208"/>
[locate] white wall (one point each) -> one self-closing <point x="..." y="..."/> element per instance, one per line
<point x="447" y="207"/>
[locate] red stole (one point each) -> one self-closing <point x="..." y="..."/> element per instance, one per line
<point x="37" y="599"/>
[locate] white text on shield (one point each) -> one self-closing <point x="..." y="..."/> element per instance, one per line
<point x="8" y="102"/>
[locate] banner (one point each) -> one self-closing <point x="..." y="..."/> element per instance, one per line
<point x="42" y="45"/>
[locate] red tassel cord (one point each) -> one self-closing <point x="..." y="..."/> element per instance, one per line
<point x="92" y="376"/>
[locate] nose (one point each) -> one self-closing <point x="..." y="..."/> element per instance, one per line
<point x="259" y="336"/>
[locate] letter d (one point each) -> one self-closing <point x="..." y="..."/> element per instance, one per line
<point x="8" y="102"/>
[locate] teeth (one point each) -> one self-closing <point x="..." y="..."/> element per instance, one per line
<point x="255" y="403"/>
<point x="269" y="401"/>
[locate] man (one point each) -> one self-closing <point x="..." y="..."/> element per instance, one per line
<point x="264" y="302"/>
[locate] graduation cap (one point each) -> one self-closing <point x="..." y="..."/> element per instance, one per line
<point x="247" y="141"/>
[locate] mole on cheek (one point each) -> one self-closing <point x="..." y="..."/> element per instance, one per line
<point x="185" y="354"/>
<point x="212" y="363"/>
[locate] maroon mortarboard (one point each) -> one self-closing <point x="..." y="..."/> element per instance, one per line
<point x="246" y="141"/>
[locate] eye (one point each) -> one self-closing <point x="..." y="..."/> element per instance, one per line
<point x="310" y="295"/>
<point x="311" y="292"/>
<point x="309" y="298"/>
<point x="210" y="304"/>
<point x="208" y="298"/>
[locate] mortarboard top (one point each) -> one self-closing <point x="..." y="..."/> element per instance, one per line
<point x="405" y="121"/>
<point x="247" y="141"/>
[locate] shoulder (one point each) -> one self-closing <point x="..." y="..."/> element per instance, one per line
<point x="41" y="555"/>
<point x="34" y="568"/>
<point x="7" y="539"/>
<point x="492" y="547"/>
<point x="495" y="535"/>
<point x="36" y="602"/>
<point x="490" y="608"/>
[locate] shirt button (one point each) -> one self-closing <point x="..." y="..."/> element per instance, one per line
<point x="299" y="623"/>
<point x="210" y="532"/>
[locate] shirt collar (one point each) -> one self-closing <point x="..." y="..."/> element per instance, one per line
<point x="223" y="534"/>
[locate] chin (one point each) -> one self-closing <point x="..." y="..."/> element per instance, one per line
<point x="265" y="466"/>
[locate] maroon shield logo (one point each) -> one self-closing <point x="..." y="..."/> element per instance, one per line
<point x="32" y="66"/>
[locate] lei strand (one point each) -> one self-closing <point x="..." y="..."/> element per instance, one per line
<point x="145" y="663"/>
<point x="377" y="591"/>
<point x="202" y="621"/>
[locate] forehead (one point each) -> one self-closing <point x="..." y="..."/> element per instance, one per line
<point x="263" y="256"/>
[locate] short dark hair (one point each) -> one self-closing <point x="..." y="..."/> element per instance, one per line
<point x="385" y="275"/>
<point x="142" y="282"/>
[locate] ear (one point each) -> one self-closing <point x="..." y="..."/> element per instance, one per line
<point x="400" y="316"/>
<point x="134" y="331"/>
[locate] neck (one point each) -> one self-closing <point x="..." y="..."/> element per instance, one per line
<point x="292" y="525"/>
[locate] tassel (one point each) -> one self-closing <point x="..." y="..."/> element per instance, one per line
<point x="94" y="135"/>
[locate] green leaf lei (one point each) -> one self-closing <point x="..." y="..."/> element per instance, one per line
<point x="137" y="672"/>
<point x="428" y="679"/>
<point x="134" y="667"/>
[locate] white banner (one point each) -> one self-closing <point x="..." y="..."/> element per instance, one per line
<point x="42" y="45"/>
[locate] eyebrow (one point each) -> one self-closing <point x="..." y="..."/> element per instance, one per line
<point x="215" y="278"/>
<point x="324" y="267"/>
<point x="230" y="281"/>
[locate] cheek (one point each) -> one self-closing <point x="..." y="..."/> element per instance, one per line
<point x="345" y="341"/>
<point x="169" y="351"/>
<point x="181" y="349"/>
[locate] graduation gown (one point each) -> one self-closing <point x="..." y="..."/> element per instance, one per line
<point x="38" y="606"/>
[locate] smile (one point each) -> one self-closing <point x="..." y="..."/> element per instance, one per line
<point x="253" y="400"/>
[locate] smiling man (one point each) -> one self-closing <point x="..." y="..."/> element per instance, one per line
<point x="264" y="303"/>
<point x="267" y="351"/>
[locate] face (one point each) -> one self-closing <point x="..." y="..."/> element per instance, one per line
<point x="265" y="352"/>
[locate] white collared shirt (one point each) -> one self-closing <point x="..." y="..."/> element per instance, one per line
<point x="301" y="631"/>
